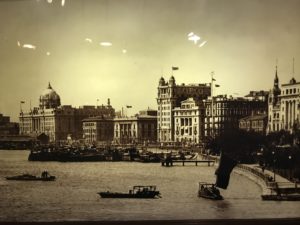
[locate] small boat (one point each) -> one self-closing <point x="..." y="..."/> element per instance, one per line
<point x="28" y="177"/>
<point x="136" y="192"/>
<point x="209" y="191"/>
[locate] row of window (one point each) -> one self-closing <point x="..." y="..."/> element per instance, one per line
<point x="254" y="124"/>
<point x="164" y="107"/>
<point x="228" y="112"/>
<point x="185" y="113"/>
<point x="164" y="113"/>
<point x="187" y="106"/>
<point x="290" y="91"/>
<point x="164" y="119"/>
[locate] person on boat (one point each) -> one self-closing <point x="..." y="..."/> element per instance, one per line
<point x="44" y="174"/>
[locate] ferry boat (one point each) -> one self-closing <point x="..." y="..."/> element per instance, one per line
<point x="209" y="191"/>
<point x="136" y="192"/>
<point x="28" y="177"/>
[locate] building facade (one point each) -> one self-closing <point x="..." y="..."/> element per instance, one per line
<point x="257" y="123"/>
<point x="223" y="113"/>
<point x="189" y="122"/>
<point x="7" y="127"/>
<point x="170" y="95"/>
<point x="139" y="129"/>
<point x="284" y="106"/>
<point x="98" y="130"/>
<point x="58" y="121"/>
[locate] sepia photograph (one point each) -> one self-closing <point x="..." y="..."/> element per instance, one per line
<point x="149" y="112"/>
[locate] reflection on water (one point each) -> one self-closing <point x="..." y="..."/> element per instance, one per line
<point x="73" y="196"/>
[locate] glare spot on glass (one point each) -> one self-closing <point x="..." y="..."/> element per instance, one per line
<point x="48" y="53"/>
<point x="19" y="44"/>
<point x="193" y="37"/>
<point x="88" y="40"/>
<point x="30" y="46"/>
<point x="124" y="51"/>
<point x="49" y="1"/>
<point x="62" y="2"/>
<point x="190" y="34"/>
<point x="106" y="44"/>
<point x="202" y="44"/>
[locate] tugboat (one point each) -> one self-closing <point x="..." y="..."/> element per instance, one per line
<point x="136" y="192"/>
<point x="209" y="191"/>
<point x="28" y="177"/>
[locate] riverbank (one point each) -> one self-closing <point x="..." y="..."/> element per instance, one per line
<point x="267" y="180"/>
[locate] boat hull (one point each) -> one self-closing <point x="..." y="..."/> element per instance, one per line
<point x="52" y="178"/>
<point x="127" y="195"/>
<point x="213" y="197"/>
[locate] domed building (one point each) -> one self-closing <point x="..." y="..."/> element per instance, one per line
<point x="49" y="99"/>
<point x="59" y="121"/>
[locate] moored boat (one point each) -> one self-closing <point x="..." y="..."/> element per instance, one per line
<point x="136" y="192"/>
<point x="28" y="177"/>
<point x="276" y="197"/>
<point x="209" y="191"/>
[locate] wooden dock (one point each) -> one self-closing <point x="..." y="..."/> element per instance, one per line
<point x="184" y="162"/>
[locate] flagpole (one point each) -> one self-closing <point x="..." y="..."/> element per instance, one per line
<point x="22" y="116"/>
<point x="212" y="103"/>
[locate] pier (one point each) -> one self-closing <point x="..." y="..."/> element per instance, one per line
<point x="183" y="162"/>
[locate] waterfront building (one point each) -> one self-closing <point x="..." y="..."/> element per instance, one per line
<point x="258" y="95"/>
<point x="169" y="96"/>
<point x="284" y="106"/>
<point x="138" y="129"/>
<point x="58" y="121"/>
<point x="189" y="122"/>
<point x="257" y="123"/>
<point x="224" y="114"/>
<point x="98" y="130"/>
<point x="7" y="127"/>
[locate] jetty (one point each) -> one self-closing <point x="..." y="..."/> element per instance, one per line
<point x="168" y="162"/>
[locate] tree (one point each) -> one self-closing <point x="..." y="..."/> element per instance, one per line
<point x="239" y="144"/>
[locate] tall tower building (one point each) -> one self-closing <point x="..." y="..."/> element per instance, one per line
<point x="284" y="106"/>
<point x="169" y="96"/>
<point x="274" y="106"/>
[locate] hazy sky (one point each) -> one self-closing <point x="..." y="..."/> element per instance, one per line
<point x="243" y="39"/>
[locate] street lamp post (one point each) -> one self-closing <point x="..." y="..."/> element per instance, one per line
<point x="290" y="167"/>
<point x="273" y="153"/>
<point x="212" y="103"/>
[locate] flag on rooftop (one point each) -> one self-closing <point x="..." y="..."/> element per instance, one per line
<point x="128" y="106"/>
<point x="217" y="85"/>
<point x="22" y="102"/>
<point x="174" y="68"/>
<point x="213" y="79"/>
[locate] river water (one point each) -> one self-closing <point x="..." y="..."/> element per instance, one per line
<point x="73" y="196"/>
